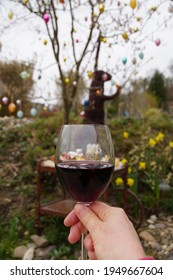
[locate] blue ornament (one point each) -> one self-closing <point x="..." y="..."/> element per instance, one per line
<point x="141" y="55"/>
<point x="33" y="112"/>
<point x="86" y="103"/>
<point x="20" y="114"/>
<point x="124" y="60"/>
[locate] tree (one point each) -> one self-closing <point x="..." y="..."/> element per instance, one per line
<point x="158" y="89"/>
<point x="16" y="83"/>
<point x="93" y="32"/>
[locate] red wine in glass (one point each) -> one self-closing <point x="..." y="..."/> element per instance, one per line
<point x="85" y="180"/>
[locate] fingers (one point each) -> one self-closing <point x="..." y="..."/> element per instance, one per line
<point x="75" y="233"/>
<point x="88" y="243"/>
<point x="88" y="218"/>
<point x="71" y="219"/>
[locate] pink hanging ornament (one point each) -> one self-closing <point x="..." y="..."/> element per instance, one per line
<point x="4" y="100"/>
<point x="157" y="42"/>
<point x="46" y="17"/>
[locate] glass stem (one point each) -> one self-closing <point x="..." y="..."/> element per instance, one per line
<point x="83" y="249"/>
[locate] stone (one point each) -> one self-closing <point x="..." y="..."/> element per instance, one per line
<point x="149" y="221"/>
<point x="151" y="226"/>
<point x="31" y="245"/>
<point x="40" y="241"/>
<point x="153" y="218"/>
<point x="147" y="236"/>
<point x="160" y="225"/>
<point x="29" y="254"/>
<point x="19" y="252"/>
<point x="44" y="253"/>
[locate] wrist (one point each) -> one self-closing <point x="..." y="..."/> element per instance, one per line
<point x="147" y="258"/>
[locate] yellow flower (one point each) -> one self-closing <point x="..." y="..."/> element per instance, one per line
<point x="124" y="161"/>
<point x="129" y="170"/>
<point x="130" y="182"/>
<point x="119" y="181"/>
<point x="142" y="165"/>
<point x="160" y="136"/>
<point x="152" y="142"/>
<point x="171" y="144"/>
<point x="125" y="135"/>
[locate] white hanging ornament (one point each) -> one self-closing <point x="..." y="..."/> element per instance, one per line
<point x="24" y="75"/>
<point x="18" y="102"/>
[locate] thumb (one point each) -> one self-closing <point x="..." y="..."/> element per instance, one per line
<point x="87" y="217"/>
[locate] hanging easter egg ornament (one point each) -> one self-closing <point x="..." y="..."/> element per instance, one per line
<point x="61" y="1"/>
<point x="25" y="2"/>
<point x="33" y="112"/>
<point x="10" y="15"/>
<point x="24" y="75"/>
<point x="103" y="39"/>
<point x="125" y="36"/>
<point x="124" y="60"/>
<point x="101" y="8"/>
<point x="20" y="114"/>
<point x="141" y="55"/>
<point x="11" y="107"/>
<point x="74" y="83"/>
<point x="98" y="92"/>
<point x="4" y="100"/>
<point x="136" y="29"/>
<point x="134" y="60"/>
<point x="157" y="42"/>
<point x="46" y="18"/>
<point x="18" y="102"/>
<point x="82" y="114"/>
<point x="154" y="8"/>
<point x="133" y="4"/>
<point x="67" y="80"/>
<point x="90" y="74"/>
<point x="45" y="42"/>
<point x="86" y="103"/>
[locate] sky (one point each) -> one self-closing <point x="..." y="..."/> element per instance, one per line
<point x="22" y="39"/>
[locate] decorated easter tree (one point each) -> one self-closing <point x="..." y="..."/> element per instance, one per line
<point x="103" y="34"/>
<point x="16" y="84"/>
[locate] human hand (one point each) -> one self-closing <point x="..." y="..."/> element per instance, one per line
<point x="111" y="235"/>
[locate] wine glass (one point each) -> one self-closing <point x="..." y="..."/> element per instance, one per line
<point x="84" y="161"/>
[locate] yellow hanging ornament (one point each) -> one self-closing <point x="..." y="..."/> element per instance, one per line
<point x="90" y="74"/>
<point x="101" y="8"/>
<point x="45" y="42"/>
<point x="67" y="81"/>
<point x="103" y="39"/>
<point x="10" y="15"/>
<point x="125" y="36"/>
<point x="154" y="8"/>
<point x="133" y="4"/>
